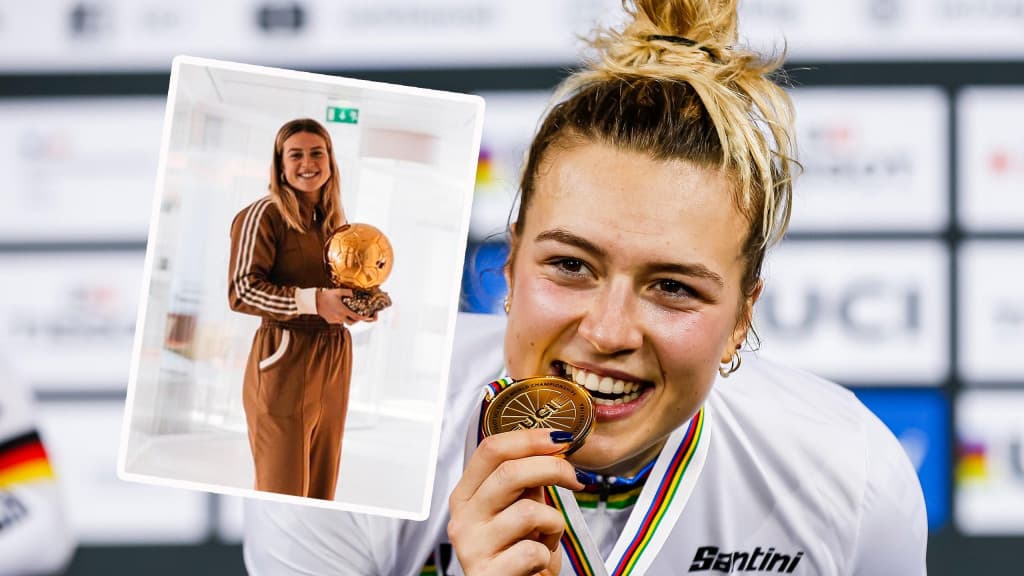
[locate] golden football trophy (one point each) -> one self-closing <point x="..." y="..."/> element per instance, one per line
<point x="359" y="257"/>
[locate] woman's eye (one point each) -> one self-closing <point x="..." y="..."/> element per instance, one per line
<point x="570" y="266"/>
<point x="674" y="288"/>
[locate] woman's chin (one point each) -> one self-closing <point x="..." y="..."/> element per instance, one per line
<point x="598" y="455"/>
<point x="307" y="187"/>
<point x="615" y="449"/>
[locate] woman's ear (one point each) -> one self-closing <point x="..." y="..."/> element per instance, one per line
<point x="744" y="321"/>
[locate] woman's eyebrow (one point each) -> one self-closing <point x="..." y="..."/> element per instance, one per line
<point x="694" y="270"/>
<point x="565" y="237"/>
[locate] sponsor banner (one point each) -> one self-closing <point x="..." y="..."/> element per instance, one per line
<point x="858" y="312"/>
<point x="874" y="159"/>
<point x="990" y="124"/>
<point x="82" y="439"/>
<point x="920" y="421"/>
<point x="145" y="35"/>
<point x="69" y="318"/>
<point x="78" y="169"/>
<point x="903" y="30"/>
<point x="136" y="35"/>
<point x="991" y="311"/>
<point x="990" y="462"/>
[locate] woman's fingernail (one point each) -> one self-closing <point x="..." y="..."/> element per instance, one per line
<point x="581" y="477"/>
<point x="561" y="437"/>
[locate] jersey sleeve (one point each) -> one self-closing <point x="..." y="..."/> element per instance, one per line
<point x="253" y="250"/>
<point x="893" y="530"/>
<point x="34" y="535"/>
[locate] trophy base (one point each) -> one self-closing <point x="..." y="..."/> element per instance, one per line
<point x="367" y="302"/>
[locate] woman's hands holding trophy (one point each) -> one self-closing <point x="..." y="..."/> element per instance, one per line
<point x="359" y="259"/>
<point x="330" y="307"/>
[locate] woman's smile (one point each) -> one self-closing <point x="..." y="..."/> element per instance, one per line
<point x="615" y="394"/>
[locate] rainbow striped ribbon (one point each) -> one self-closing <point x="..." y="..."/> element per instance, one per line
<point x="490" y="391"/>
<point x="657" y="500"/>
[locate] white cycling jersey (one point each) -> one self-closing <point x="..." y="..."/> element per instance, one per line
<point x="798" y="478"/>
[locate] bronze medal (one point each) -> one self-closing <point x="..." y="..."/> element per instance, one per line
<point x="542" y="402"/>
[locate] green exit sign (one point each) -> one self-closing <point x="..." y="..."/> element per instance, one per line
<point x="343" y="115"/>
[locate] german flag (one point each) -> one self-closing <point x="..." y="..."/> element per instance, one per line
<point x="23" y="460"/>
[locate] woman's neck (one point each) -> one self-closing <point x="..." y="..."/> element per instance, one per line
<point x="311" y="198"/>
<point x="632" y="466"/>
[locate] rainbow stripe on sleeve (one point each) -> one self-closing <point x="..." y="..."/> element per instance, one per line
<point x="23" y="460"/>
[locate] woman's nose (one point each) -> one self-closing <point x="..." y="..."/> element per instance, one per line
<point x="610" y="324"/>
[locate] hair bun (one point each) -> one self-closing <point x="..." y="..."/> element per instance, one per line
<point x="689" y="33"/>
<point x="709" y="23"/>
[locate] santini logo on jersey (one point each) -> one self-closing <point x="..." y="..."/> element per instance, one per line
<point x="710" y="559"/>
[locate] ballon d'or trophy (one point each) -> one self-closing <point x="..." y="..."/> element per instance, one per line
<point x="359" y="257"/>
<point x="542" y="402"/>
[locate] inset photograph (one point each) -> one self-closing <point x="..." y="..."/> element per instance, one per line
<point x="301" y="286"/>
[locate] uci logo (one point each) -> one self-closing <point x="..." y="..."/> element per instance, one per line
<point x="865" y="310"/>
<point x="539" y="418"/>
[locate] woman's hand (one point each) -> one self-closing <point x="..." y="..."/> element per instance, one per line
<point x="330" y="307"/>
<point x="500" y="523"/>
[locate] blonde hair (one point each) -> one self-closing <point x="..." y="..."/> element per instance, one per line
<point x="673" y="85"/>
<point x="286" y="198"/>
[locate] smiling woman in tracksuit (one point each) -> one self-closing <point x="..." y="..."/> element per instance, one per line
<point x="297" y="377"/>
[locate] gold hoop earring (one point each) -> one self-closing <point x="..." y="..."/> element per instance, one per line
<point x="734" y="365"/>
<point x="508" y="304"/>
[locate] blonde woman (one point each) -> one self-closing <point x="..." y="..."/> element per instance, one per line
<point x="297" y="378"/>
<point x="651" y="192"/>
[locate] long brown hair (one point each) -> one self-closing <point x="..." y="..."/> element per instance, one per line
<point x="287" y="198"/>
<point x="672" y="84"/>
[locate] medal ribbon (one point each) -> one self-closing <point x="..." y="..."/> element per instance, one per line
<point x="661" y="502"/>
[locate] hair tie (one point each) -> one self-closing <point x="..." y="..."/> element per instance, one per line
<point x="684" y="41"/>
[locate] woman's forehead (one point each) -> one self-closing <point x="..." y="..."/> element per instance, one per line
<point x="303" y="140"/>
<point x="622" y="197"/>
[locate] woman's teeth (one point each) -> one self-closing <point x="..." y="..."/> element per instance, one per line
<point x="623" y="400"/>
<point x="612" y="390"/>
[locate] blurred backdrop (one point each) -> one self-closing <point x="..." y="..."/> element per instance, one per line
<point x="900" y="279"/>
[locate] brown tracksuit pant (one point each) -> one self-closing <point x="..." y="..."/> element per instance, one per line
<point x="296" y="399"/>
